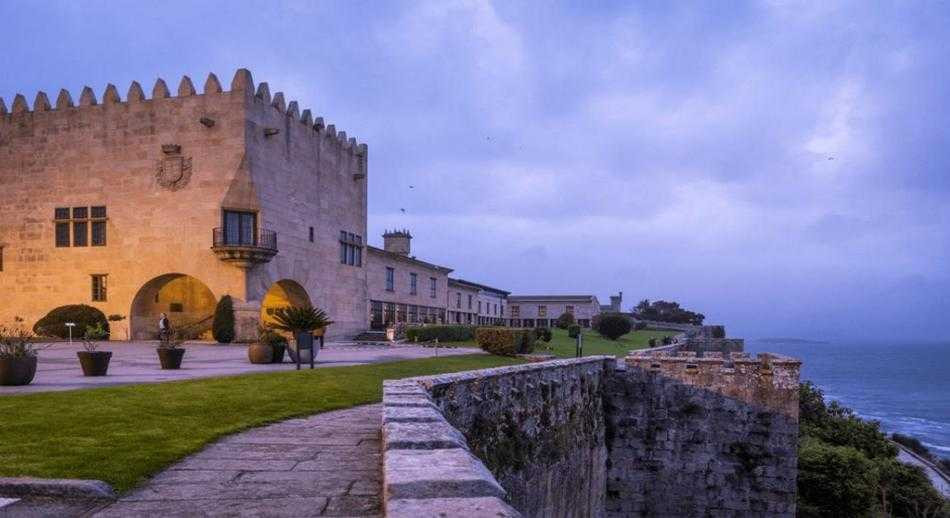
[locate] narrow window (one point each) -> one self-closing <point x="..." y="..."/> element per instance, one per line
<point x="98" y="233"/>
<point x="413" y="284"/>
<point x="62" y="235"/>
<point x="458" y="300"/>
<point x="432" y="287"/>
<point x="240" y="228"/>
<point x="479" y="307"/>
<point x="99" y="287"/>
<point x="311" y="234"/>
<point x="390" y="279"/>
<point x="1" y="258"/>
<point x="80" y="234"/>
<point x="469" y="302"/>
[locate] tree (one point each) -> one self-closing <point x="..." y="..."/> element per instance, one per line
<point x="565" y="320"/>
<point x="613" y="325"/>
<point x="223" y="326"/>
<point x="663" y="311"/>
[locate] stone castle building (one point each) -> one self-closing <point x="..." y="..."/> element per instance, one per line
<point x="146" y="204"/>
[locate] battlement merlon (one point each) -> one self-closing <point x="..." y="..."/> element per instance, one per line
<point x="769" y="380"/>
<point x="19" y="112"/>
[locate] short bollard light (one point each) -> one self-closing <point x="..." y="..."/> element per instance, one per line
<point x="70" y="325"/>
<point x="580" y="344"/>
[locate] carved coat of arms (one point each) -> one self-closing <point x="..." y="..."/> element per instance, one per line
<point x="174" y="170"/>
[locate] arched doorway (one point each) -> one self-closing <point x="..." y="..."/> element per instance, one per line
<point x="187" y="301"/>
<point x="285" y="292"/>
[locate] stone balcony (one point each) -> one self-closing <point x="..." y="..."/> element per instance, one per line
<point x="245" y="251"/>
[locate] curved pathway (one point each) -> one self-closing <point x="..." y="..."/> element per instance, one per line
<point x="328" y="464"/>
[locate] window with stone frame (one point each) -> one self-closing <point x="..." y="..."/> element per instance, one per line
<point x="78" y="223"/>
<point x="351" y="248"/>
<point x="469" y="302"/>
<point x="458" y="300"/>
<point x="542" y="311"/>
<point x="390" y="279"/>
<point x="99" y="287"/>
<point x="413" y="283"/>
<point x="515" y="311"/>
<point x="433" y="287"/>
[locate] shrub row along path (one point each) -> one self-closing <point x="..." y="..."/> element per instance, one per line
<point x="328" y="464"/>
<point x="136" y="362"/>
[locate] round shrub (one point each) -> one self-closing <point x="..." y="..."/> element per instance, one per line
<point x="565" y="321"/>
<point x="573" y="330"/>
<point x="543" y="333"/>
<point x="222" y="329"/>
<point x="504" y="341"/>
<point x="613" y="326"/>
<point x="54" y="323"/>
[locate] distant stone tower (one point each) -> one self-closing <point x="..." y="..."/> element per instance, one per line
<point x="397" y="241"/>
<point x="616" y="302"/>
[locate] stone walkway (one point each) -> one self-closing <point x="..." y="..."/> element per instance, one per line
<point x="324" y="465"/>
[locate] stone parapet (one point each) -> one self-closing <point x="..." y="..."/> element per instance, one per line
<point x="769" y="380"/>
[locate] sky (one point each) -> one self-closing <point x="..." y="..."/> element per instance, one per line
<point x="782" y="167"/>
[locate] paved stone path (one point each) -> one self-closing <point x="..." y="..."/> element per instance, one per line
<point x="324" y="465"/>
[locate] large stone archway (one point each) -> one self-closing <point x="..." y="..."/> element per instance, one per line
<point x="284" y="292"/>
<point x="188" y="302"/>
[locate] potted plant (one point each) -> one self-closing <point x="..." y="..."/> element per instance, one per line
<point x="262" y="351"/>
<point x="93" y="361"/>
<point x="17" y="355"/>
<point x="275" y="341"/>
<point x="170" y="351"/>
<point x="301" y="322"/>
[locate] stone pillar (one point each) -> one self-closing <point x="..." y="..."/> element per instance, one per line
<point x="247" y="316"/>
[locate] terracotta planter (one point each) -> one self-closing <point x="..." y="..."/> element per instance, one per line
<point x="260" y="353"/>
<point x="94" y="363"/>
<point x="170" y="357"/>
<point x="17" y="371"/>
<point x="278" y="353"/>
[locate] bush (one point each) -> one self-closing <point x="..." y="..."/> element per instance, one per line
<point x="54" y="323"/>
<point x="914" y="445"/>
<point x="613" y="326"/>
<point x="717" y="331"/>
<point x="441" y="333"/>
<point x="834" y="480"/>
<point x="504" y="341"/>
<point x="639" y="326"/>
<point x="270" y="337"/>
<point x="667" y="340"/>
<point x="573" y="330"/>
<point x="543" y="333"/>
<point x="565" y="321"/>
<point x="222" y="328"/>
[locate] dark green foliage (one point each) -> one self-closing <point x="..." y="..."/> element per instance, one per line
<point x="440" y="333"/>
<point x="503" y="341"/>
<point x="223" y="326"/>
<point x="663" y="311"/>
<point x="639" y="326"/>
<point x="717" y="331"/>
<point x="573" y="330"/>
<point x="847" y="467"/>
<point x="914" y="445"/>
<point x="543" y="334"/>
<point x="300" y="319"/>
<point x="270" y="337"/>
<point x="54" y="323"/>
<point x="565" y="320"/>
<point x="667" y="340"/>
<point x="613" y="325"/>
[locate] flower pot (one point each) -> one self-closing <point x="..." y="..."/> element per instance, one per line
<point x="94" y="363"/>
<point x="278" y="356"/>
<point x="302" y="342"/>
<point x="170" y="357"/>
<point x="260" y="353"/>
<point x="17" y="371"/>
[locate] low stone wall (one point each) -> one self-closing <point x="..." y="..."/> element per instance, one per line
<point x="663" y="433"/>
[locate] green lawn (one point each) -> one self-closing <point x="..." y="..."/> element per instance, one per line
<point x="123" y="434"/>
<point x="564" y="346"/>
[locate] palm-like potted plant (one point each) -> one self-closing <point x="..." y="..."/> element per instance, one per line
<point x="169" y="350"/>
<point x="301" y="322"/>
<point x="17" y="355"/>
<point x="93" y="361"/>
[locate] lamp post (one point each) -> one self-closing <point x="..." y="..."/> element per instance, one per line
<point x="580" y="344"/>
<point x="70" y="325"/>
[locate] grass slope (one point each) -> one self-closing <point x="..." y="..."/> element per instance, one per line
<point x="564" y="346"/>
<point x="123" y="434"/>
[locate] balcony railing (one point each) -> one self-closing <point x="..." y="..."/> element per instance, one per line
<point x="244" y="249"/>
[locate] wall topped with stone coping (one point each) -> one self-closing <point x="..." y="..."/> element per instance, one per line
<point x="594" y="437"/>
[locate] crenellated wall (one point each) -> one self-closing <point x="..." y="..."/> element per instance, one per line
<point x="165" y="166"/>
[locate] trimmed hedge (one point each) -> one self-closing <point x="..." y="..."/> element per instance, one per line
<point x="442" y="333"/>
<point x="54" y="323"/>
<point x="613" y="325"/>
<point x="503" y="341"/>
<point x="565" y="321"/>
<point x="543" y="333"/>
<point x="223" y="326"/>
<point x="573" y="330"/>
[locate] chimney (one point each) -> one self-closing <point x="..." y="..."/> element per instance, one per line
<point x="397" y="241"/>
<point x="616" y="301"/>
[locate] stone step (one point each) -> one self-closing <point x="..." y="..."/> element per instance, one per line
<point x="371" y="336"/>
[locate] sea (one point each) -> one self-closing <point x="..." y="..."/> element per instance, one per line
<point x="904" y="385"/>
